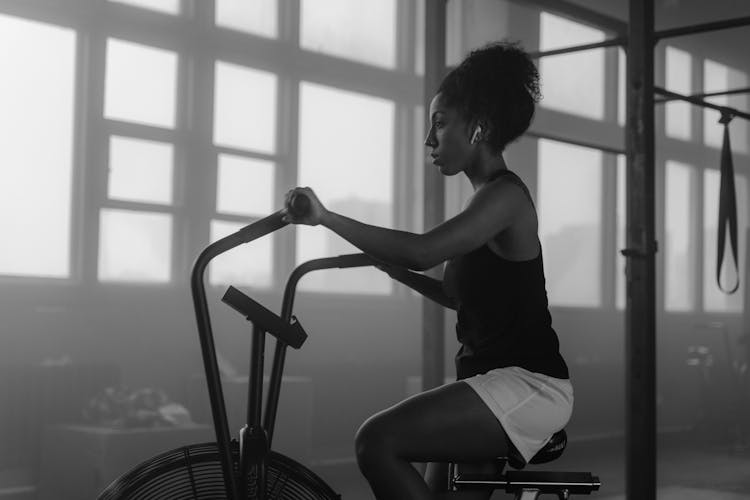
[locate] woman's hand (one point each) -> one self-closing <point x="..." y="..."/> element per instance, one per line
<point x="314" y="215"/>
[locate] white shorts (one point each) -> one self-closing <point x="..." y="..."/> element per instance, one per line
<point x="530" y="406"/>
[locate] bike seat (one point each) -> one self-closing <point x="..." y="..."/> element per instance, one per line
<point x="549" y="452"/>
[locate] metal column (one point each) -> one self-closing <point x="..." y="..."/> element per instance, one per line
<point x="433" y="322"/>
<point x="640" y="317"/>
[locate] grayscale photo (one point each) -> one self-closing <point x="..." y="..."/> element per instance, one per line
<point x="374" y="249"/>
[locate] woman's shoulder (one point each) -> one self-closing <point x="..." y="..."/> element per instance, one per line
<point x="510" y="178"/>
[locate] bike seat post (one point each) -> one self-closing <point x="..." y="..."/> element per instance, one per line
<point x="255" y="381"/>
<point x="253" y="438"/>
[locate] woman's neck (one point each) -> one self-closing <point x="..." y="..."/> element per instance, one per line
<point x="485" y="169"/>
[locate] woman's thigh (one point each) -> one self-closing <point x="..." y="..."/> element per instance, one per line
<point x="446" y="424"/>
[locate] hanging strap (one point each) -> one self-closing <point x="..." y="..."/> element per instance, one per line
<point x="727" y="207"/>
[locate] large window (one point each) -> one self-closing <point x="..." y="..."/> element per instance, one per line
<point x="336" y="127"/>
<point x="221" y="131"/>
<point x="343" y="28"/>
<point x="570" y="222"/>
<point x="182" y="143"/>
<point x="579" y="92"/>
<point x="36" y="157"/>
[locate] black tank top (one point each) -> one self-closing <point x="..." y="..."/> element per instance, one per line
<point x="503" y="313"/>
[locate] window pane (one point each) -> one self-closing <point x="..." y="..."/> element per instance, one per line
<point x="245" y="108"/>
<point x="250" y="264"/>
<point x="570" y="228"/>
<point x="129" y="96"/>
<point x="140" y="170"/>
<point x="135" y="246"/>
<point x="622" y="75"/>
<point x="419" y="9"/>
<point x="245" y="186"/>
<point x="716" y="78"/>
<point x="167" y="6"/>
<point x="678" y="79"/>
<point x="579" y="92"/>
<point x="621" y="215"/>
<point x="471" y="24"/>
<point x="36" y="157"/>
<point x="361" y="189"/>
<point x="362" y="30"/>
<point x="678" y="248"/>
<point x="713" y="298"/>
<point x="258" y="17"/>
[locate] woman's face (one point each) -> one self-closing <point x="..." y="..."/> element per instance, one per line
<point x="449" y="138"/>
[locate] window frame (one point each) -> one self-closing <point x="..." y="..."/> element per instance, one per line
<point x="198" y="44"/>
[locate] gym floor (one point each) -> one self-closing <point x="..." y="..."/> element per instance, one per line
<point x="686" y="470"/>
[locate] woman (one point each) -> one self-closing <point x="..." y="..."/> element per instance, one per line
<point x="513" y="390"/>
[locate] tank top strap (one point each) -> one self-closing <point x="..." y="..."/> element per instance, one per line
<point x="515" y="179"/>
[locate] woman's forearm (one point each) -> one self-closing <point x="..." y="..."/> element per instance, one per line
<point x="398" y="248"/>
<point x="425" y="285"/>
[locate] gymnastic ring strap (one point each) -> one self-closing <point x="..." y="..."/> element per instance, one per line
<point x="727" y="208"/>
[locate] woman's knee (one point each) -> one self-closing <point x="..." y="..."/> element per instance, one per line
<point x="374" y="442"/>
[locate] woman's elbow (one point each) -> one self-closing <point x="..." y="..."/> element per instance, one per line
<point x="422" y="261"/>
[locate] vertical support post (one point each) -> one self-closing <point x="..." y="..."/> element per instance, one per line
<point x="433" y="327"/>
<point x="640" y="318"/>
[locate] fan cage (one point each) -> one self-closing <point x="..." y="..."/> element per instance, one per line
<point x="194" y="473"/>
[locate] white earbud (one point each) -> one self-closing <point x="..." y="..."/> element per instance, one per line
<point x="477" y="134"/>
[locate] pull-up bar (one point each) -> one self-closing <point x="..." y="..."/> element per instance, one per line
<point x="613" y="42"/>
<point x="703" y="28"/>
<point x="622" y="41"/>
<point x="725" y="110"/>
<point x="745" y="90"/>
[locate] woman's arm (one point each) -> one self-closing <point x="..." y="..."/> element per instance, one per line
<point x="427" y="286"/>
<point x="491" y="210"/>
<point x="397" y="248"/>
<point x="394" y="247"/>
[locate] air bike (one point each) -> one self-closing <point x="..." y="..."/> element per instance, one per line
<point x="247" y="468"/>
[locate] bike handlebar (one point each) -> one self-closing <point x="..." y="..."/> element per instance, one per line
<point x="299" y="204"/>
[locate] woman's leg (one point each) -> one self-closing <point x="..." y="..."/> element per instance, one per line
<point x="449" y="423"/>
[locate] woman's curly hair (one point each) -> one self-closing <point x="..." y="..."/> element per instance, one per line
<point x="497" y="85"/>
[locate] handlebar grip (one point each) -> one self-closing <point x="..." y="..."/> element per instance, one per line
<point x="299" y="205"/>
<point x="354" y="260"/>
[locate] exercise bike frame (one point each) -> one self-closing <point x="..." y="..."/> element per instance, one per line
<point x="255" y="440"/>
